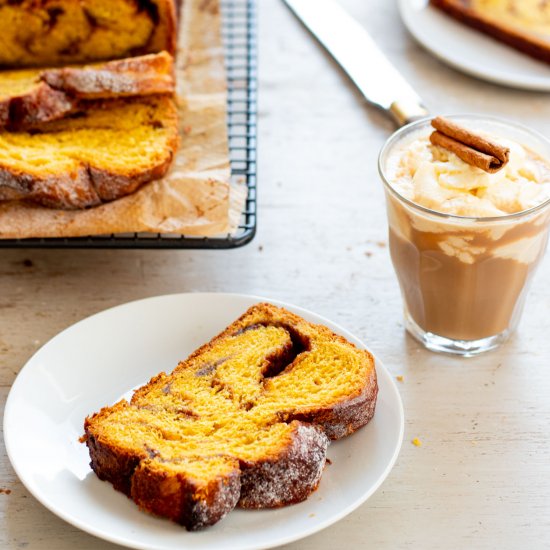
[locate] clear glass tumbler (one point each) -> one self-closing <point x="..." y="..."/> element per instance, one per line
<point x="464" y="279"/>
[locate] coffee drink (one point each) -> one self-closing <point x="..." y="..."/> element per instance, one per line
<point x="465" y="243"/>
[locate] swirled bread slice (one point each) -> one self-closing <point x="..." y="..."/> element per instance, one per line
<point x="60" y="32"/>
<point x="98" y="155"/>
<point x="522" y="24"/>
<point x="32" y="96"/>
<point x="245" y="420"/>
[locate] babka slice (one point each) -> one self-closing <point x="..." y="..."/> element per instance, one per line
<point x="31" y="96"/>
<point x="98" y="155"/>
<point x="522" y="24"/>
<point x="60" y="32"/>
<point x="245" y="420"/>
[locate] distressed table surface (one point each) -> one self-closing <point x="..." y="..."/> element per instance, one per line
<point x="481" y="478"/>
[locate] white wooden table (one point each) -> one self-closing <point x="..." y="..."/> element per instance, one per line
<point x="481" y="478"/>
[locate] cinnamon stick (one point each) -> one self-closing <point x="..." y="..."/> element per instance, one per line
<point x="472" y="148"/>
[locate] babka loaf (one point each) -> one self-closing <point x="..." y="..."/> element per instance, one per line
<point x="522" y="24"/>
<point x="59" y="32"/>
<point x="97" y="155"/>
<point x="31" y="96"/>
<point x="245" y="420"/>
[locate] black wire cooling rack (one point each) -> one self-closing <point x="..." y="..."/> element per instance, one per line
<point x="240" y="40"/>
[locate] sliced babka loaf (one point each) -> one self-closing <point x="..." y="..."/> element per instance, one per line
<point x="97" y="155"/>
<point x="245" y="420"/>
<point x="31" y="96"/>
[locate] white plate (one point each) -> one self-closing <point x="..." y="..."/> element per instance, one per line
<point x="470" y="50"/>
<point x="97" y="360"/>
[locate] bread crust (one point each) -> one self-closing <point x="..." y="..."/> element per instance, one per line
<point x="343" y="418"/>
<point x="181" y="499"/>
<point x="111" y="464"/>
<point x="165" y="36"/>
<point x="286" y="475"/>
<point x="135" y="76"/>
<point x="40" y="104"/>
<point x="527" y="43"/>
<point x="290" y="477"/>
<point x="84" y="188"/>
<point x="66" y="191"/>
<point x="110" y="186"/>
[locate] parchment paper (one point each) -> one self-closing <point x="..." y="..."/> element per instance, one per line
<point x="195" y="197"/>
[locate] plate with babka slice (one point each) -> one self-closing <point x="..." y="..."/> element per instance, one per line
<point x="503" y="41"/>
<point x="276" y="425"/>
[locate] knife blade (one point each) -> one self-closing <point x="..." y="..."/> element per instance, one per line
<point x="355" y="51"/>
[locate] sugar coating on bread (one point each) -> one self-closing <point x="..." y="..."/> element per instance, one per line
<point x="48" y="33"/>
<point x="144" y="75"/>
<point x="245" y="419"/>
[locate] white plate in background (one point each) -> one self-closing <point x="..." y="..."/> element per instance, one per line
<point x="92" y="363"/>
<point x="471" y="51"/>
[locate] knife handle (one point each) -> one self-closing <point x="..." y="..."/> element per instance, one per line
<point x="405" y="112"/>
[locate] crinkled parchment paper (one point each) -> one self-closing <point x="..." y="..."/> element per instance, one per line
<point x="195" y="197"/>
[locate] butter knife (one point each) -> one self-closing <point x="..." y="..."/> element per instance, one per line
<point x="355" y="51"/>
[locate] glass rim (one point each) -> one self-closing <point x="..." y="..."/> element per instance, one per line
<point x="480" y="219"/>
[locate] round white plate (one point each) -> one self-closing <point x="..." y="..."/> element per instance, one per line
<point x="95" y="361"/>
<point x="471" y="51"/>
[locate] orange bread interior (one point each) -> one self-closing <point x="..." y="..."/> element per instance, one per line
<point x="128" y="136"/>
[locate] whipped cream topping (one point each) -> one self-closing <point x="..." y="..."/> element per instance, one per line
<point x="433" y="177"/>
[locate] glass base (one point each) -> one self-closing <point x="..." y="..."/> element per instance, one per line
<point x="464" y="348"/>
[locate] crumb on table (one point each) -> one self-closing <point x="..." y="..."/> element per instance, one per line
<point x="416" y="442"/>
<point x="400" y="378"/>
